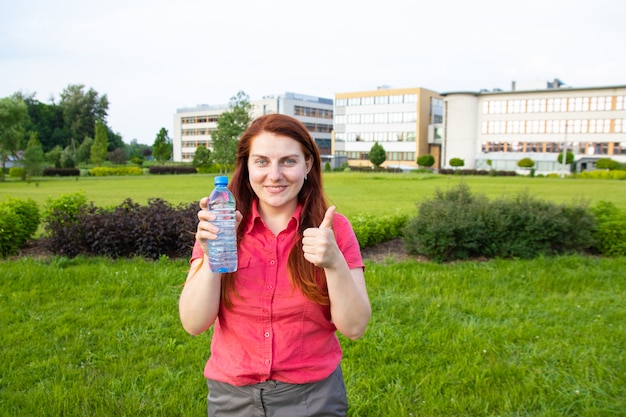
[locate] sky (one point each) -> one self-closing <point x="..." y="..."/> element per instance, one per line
<point x="151" y="57"/>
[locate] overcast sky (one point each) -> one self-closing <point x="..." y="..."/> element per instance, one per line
<point x="151" y="57"/>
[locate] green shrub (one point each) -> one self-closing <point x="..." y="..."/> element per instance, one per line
<point x="457" y="225"/>
<point x="117" y="171"/>
<point x="371" y="230"/>
<point x="16" y="172"/>
<point x="65" y="207"/>
<point x="611" y="232"/>
<point x="603" y="175"/>
<point x="19" y="220"/>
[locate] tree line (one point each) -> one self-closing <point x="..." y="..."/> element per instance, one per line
<point x="75" y="131"/>
<point x="66" y="133"/>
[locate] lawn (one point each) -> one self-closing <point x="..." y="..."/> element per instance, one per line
<point x="353" y="193"/>
<point x="545" y="337"/>
<point x="542" y="337"/>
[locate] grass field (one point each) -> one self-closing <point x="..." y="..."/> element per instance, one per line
<point x="541" y="338"/>
<point x="353" y="193"/>
<point x="544" y="337"/>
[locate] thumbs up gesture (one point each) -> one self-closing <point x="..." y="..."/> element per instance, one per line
<point x="319" y="244"/>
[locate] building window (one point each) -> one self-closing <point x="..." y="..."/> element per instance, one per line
<point x="381" y="100"/>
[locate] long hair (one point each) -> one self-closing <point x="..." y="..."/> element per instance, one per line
<point x="310" y="279"/>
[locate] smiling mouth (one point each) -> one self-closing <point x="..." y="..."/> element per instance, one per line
<point x="275" y="188"/>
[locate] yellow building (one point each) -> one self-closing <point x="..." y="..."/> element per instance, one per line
<point x="405" y="122"/>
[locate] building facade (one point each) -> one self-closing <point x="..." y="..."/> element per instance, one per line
<point x="496" y="129"/>
<point x="405" y="122"/>
<point x="193" y="126"/>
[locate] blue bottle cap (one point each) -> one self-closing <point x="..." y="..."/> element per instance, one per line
<point x="221" y="180"/>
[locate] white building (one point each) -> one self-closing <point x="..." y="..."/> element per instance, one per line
<point x="403" y="121"/>
<point x="193" y="126"/>
<point x="503" y="127"/>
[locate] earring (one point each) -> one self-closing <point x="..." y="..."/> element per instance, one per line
<point x="305" y="177"/>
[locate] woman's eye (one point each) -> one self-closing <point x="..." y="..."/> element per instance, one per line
<point x="290" y="161"/>
<point x="260" y="162"/>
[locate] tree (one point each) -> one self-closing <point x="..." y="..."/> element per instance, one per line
<point x="377" y="155"/>
<point x="118" y="156"/>
<point x="457" y="162"/>
<point x="230" y="126"/>
<point x="607" y="163"/>
<point x="34" y="157"/>
<point x="13" y="116"/>
<point x="202" y="159"/>
<point x="100" y="144"/>
<point x="162" y="148"/>
<point x="47" y="121"/>
<point x="526" y="163"/>
<point x="81" y="110"/>
<point x="68" y="159"/>
<point x="569" y="158"/>
<point x="426" y="161"/>
<point x="53" y="156"/>
<point x="84" y="151"/>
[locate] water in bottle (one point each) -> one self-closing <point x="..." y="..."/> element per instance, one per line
<point x="223" y="250"/>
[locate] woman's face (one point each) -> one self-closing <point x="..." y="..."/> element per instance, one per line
<point x="277" y="167"/>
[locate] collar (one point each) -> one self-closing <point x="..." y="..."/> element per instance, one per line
<point x="255" y="217"/>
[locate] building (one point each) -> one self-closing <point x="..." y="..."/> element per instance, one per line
<point x="405" y="122"/>
<point x="495" y="129"/>
<point x="193" y="126"/>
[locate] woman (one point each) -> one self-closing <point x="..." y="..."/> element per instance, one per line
<point x="300" y="278"/>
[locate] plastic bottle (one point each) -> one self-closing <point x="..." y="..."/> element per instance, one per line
<point x="223" y="250"/>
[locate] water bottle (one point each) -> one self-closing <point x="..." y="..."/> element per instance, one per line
<point x="223" y="250"/>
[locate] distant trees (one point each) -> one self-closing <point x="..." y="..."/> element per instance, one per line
<point x="202" y="159"/>
<point x="13" y="116"/>
<point x="230" y="126"/>
<point x="569" y="158"/>
<point x="69" y="125"/>
<point x="377" y="155"/>
<point x="81" y="110"/>
<point x="34" y="157"/>
<point x="100" y="144"/>
<point x="162" y="148"/>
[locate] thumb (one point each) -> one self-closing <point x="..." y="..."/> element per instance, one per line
<point x="327" y="223"/>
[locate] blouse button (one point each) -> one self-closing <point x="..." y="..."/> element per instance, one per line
<point x="269" y="287"/>
<point x="267" y="361"/>
<point x="272" y="262"/>
<point x="267" y="334"/>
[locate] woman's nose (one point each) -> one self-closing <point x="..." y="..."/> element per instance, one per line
<point x="275" y="172"/>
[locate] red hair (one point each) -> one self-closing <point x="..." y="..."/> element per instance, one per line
<point x="310" y="279"/>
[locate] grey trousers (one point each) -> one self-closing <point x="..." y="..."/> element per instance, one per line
<point x="326" y="398"/>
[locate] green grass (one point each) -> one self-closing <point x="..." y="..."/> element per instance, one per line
<point x="546" y="337"/>
<point x="353" y="193"/>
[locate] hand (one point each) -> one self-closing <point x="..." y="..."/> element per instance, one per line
<point x="319" y="244"/>
<point x="206" y="229"/>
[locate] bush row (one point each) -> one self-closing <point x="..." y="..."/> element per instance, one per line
<point x="74" y="227"/>
<point x="61" y="172"/>
<point x="456" y="225"/>
<point x="115" y="171"/>
<point x="603" y="175"/>
<point x="172" y="169"/>
<point x="493" y="172"/>
<point x="19" y="220"/>
<point x="371" y="230"/>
